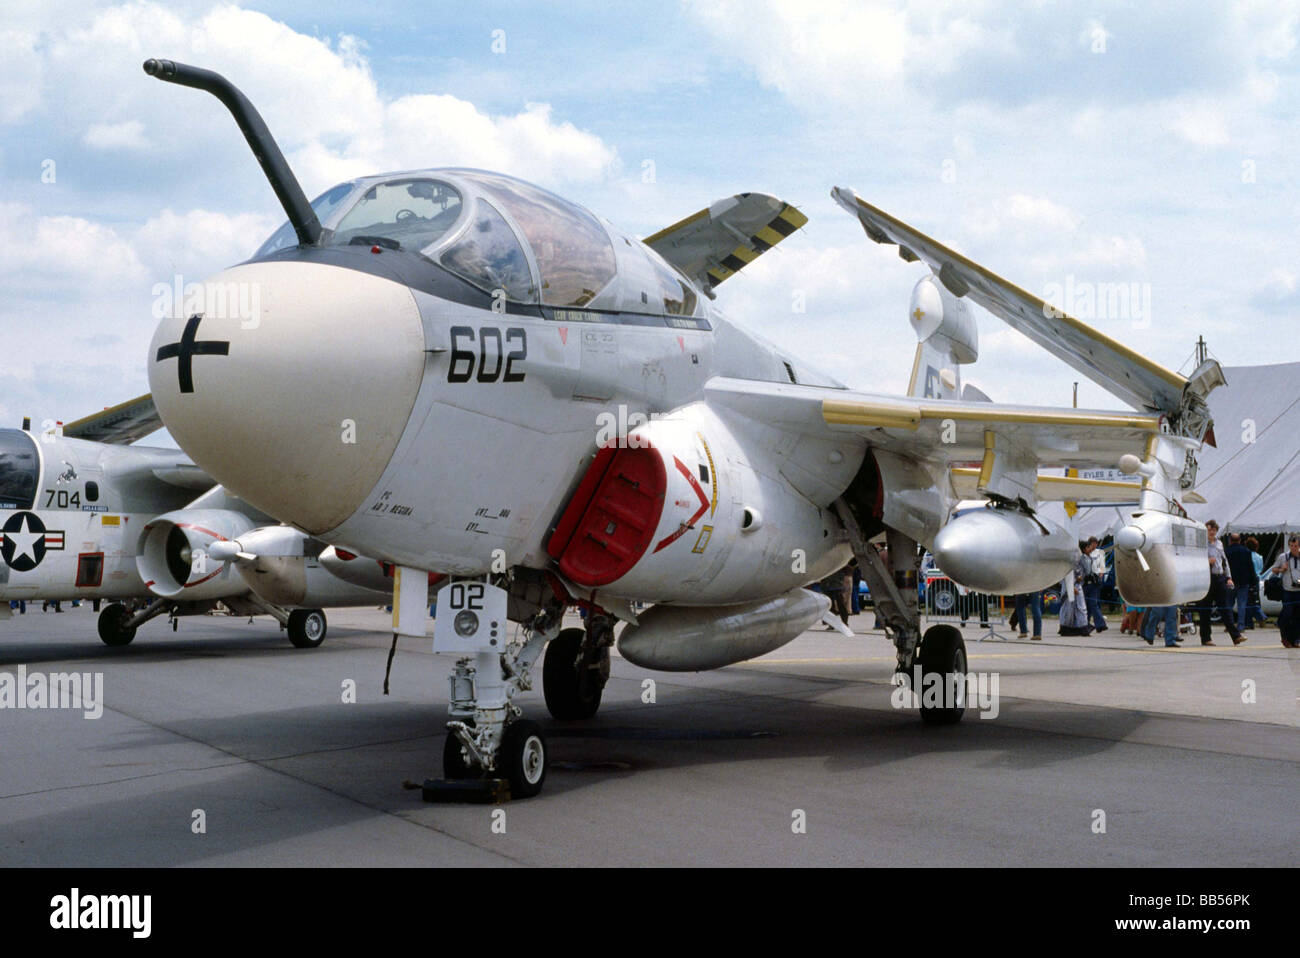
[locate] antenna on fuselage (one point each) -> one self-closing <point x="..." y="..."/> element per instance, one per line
<point x="259" y="138"/>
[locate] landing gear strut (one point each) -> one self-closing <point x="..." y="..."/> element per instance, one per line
<point x="942" y="652"/>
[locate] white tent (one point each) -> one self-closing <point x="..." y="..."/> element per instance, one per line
<point x="1251" y="481"/>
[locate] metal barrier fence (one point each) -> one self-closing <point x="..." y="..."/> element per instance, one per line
<point x="944" y="602"/>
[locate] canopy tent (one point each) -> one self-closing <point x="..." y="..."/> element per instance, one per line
<point x="1251" y="481"/>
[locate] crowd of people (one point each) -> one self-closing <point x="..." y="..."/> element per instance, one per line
<point x="1236" y="578"/>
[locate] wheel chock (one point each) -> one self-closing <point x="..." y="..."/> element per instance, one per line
<point x="474" y="791"/>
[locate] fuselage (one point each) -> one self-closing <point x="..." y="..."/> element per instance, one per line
<point x="431" y="383"/>
<point x="71" y="512"/>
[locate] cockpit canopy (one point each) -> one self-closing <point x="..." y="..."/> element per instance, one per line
<point x="20" y="470"/>
<point x="503" y="235"/>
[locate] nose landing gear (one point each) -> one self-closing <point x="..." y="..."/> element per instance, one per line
<point x="489" y="742"/>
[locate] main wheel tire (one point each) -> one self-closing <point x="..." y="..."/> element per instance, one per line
<point x="522" y="758"/>
<point x="560" y="684"/>
<point x="307" y="628"/>
<point x="454" y="765"/>
<point x="943" y="653"/>
<point x="112" y="625"/>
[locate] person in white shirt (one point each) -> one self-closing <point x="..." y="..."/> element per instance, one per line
<point x="1216" y="600"/>
<point x="1288" y="566"/>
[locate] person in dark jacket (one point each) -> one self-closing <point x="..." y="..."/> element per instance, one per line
<point x="1288" y="566"/>
<point x="1241" y="565"/>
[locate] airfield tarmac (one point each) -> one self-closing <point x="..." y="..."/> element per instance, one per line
<point x="228" y="718"/>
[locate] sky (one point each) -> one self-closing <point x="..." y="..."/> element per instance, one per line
<point x="1064" y="146"/>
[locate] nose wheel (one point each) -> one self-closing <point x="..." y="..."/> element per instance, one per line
<point x="523" y="758"/>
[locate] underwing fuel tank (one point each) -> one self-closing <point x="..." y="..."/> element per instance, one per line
<point x="1160" y="559"/>
<point x="277" y="563"/>
<point x="358" y="570"/>
<point x="1002" y="552"/>
<point x="671" y="638"/>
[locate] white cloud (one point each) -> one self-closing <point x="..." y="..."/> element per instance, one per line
<point x="848" y="51"/>
<point x="199" y="242"/>
<point x="1280" y="288"/>
<point x="791" y="46"/>
<point x="128" y="135"/>
<point x="20" y="74"/>
<point x="1200" y="123"/>
<point x="425" y="130"/>
<point x="1039" y="211"/>
<point x="67" y="252"/>
<point x="317" y="96"/>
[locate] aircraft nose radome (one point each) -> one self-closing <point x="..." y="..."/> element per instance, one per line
<point x="290" y="383"/>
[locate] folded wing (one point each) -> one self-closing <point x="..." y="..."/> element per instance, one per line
<point x="716" y="243"/>
<point x="122" y="424"/>
<point x="1112" y="365"/>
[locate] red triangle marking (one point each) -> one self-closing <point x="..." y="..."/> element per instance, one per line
<point x="564" y="335"/>
<point x="682" y="343"/>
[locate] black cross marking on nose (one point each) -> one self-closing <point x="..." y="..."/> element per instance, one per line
<point x="187" y="349"/>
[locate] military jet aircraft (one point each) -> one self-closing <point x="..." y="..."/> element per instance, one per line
<point x="551" y="411"/>
<point x="83" y="515"/>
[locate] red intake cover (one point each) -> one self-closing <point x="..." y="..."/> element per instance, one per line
<point x="611" y="520"/>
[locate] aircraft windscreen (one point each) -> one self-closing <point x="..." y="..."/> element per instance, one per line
<point x="573" y="252"/>
<point x="490" y="257"/>
<point x="324" y="205"/>
<point x="19" y="470"/>
<point x="409" y="214"/>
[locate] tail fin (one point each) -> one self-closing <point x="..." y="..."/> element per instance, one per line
<point x="947" y="339"/>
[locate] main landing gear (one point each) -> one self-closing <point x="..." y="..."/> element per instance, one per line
<point x="114" y="625"/>
<point x="577" y="667"/>
<point x="117" y="623"/>
<point x="936" y="660"/>
<point x="942" y="663"/>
